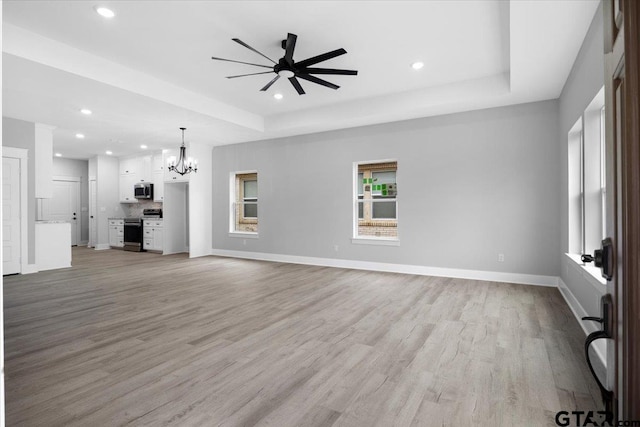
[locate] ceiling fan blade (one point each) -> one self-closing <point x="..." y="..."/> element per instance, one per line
<point x="270" y="83"/>
<point x="289" y="47"/>
<point x="240" y="62"/>
<point x="252" y="74"/>
<point x="250" y="48"/>
<point x="329" y="71"/>
<point x="317" y="80"/>
<point x="320" y="58"/>
<point x="296" y="84"/>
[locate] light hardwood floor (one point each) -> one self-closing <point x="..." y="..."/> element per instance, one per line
<point x="142" y="339"/>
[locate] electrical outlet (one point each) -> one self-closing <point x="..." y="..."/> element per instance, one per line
<point x="335" y="248"/>
<point x="500" y="257"/>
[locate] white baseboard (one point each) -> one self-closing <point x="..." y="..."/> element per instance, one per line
<point x="102" y="246"/>
<point x="579" y="312"/>
<point x="493" y="276"/>
<point x="58" y="267"/>
<point x="29" y="269"/>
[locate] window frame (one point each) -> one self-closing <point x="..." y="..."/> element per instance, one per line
<point x="236" y="196"/>
<point x="358" y="198"/>
<point x="587" y="183"/>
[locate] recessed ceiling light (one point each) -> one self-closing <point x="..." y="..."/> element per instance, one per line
<point x="79" y="136"/>
<point x="278" y="96"/>
<point x="58" y="155"/>
<point x="108" y="153"/>
<point x="104" y="12"/>
<point x="86" y="111"/>
<point x="144" y="147"/>
<point x="417" y="65"/>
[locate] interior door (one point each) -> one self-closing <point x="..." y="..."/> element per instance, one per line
<point x="622" y="84"/>
<point x="11" y="216"/>
<point x="64" y="205"/>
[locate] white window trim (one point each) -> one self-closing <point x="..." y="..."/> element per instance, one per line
<point x="591" y="273"/>
<point x="371" y="240"/>
<point x="244" y="234"/>
<point x="585" y="128"/>
<point x="379" y="241"/>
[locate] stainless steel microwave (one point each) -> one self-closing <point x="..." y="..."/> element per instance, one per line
<point x="143" y="190"/>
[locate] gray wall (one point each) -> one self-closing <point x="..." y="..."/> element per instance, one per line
<point x="21" y="134"/>
<point x="471" y="185"/>
<point x="77" y="168"/>
<point x="584" y="82"/>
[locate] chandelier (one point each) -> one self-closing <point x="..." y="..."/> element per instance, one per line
<point x="185" y="164"/>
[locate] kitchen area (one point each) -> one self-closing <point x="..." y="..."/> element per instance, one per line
<point x="139" y="225"/>
<point x="66" y="200"/>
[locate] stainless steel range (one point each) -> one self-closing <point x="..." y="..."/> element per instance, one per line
<point x="133" y="230"/>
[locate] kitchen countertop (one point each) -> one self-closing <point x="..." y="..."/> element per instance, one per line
<point x="142" y="218"/>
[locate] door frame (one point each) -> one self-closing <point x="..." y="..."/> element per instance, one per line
<point x="22" y="155"/>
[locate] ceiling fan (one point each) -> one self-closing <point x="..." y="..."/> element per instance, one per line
<point x="288" y="68"/>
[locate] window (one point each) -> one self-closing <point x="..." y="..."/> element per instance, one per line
<point x="250" y="198"/>
<point x="587" y="179"/>
<point x="244" y="202"/>
<point x="376" y="200"/>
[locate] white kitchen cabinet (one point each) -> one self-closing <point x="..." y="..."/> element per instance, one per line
<point x="158" y="186"/>
<point x="153" y="235"/>
<point x="145" y="175"/>
<point x="157" y="162"/>
<point x="127" y="181"/>
<point x="116" y="233"/>
<point x="134" y="170"/>
<point x="130" y="165"/>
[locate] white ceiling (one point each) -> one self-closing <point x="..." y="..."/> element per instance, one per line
<point x="148" y="71"/>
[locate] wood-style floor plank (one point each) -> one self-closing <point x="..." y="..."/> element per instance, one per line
<point x="125" y="338"/>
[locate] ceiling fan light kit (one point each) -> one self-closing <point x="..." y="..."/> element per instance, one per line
<point x="287" y="68"/>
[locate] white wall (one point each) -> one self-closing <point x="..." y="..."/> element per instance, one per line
<point x="584" y="82"/>
<point x="21" y="134"/>
<point x="471" y="185"/>
<point x="200" y="215"/>
<point x="176" y="217"/>
<point x="77" y="168"/>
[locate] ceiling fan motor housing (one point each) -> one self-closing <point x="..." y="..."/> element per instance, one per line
<point x="284" y="69"/>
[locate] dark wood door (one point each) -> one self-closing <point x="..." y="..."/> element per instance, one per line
<point x="622" y="75"/>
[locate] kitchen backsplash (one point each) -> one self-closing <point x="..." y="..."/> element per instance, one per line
<point x="135" y="209"/>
